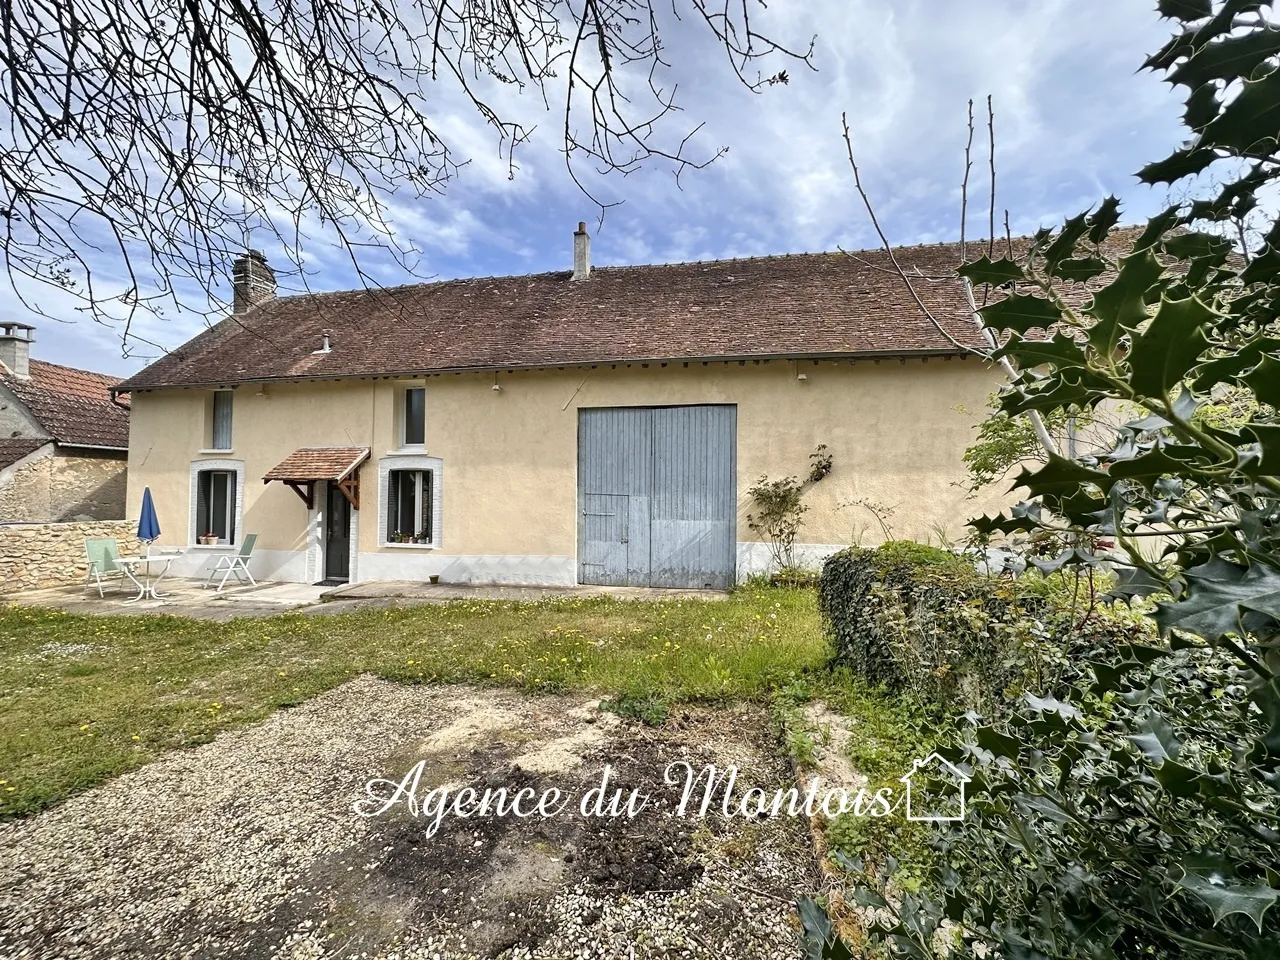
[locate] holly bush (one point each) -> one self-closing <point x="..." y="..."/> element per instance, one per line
<point x="1136" y="811"/>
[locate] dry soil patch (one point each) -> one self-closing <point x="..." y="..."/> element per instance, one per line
<point x="248" y="846"/>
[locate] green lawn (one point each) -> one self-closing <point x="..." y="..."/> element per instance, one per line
<point x="85" y="698"/>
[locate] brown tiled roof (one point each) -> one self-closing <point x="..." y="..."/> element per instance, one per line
<point x="318" y="463"/>
<point x="805" y="305"/>
<point x="74" y="406"/>
<point x="13" y="449"/>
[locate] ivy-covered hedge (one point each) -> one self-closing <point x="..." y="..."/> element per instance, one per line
<point x="918" y="618"/>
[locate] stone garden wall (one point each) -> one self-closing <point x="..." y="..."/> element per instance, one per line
<point x="47" y="554"/>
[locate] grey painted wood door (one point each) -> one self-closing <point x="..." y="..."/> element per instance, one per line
<point x="657" y="496"/>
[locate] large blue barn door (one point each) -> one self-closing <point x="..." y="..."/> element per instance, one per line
<point x="657" y="496"/>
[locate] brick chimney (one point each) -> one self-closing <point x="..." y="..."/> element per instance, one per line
<point x="15" y="347"/>
<point x="581" y="253"/>
<point x="252" y="281"/>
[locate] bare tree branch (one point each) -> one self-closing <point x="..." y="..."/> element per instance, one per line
<point x="1015" y="377"/>
<point x="964" y="184"/>
<point x="165" y="138"/>
<point x="991" y="154"/>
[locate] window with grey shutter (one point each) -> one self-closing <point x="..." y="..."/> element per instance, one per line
<point x="221" y="420"/>
<point x="409" y="506"/>
<point x="216" y="505"/>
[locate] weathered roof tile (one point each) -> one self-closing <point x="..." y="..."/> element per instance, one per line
<point x="74" y="406"/>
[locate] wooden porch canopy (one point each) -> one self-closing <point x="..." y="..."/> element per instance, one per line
<point x="300" y="470"/>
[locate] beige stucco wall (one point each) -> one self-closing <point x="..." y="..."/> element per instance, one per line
<point x="56" y="486"/>
<point x="510" y="456"/>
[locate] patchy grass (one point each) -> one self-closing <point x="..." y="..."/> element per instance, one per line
<point x="85" y="698"/>
<point x="889" y="732"/>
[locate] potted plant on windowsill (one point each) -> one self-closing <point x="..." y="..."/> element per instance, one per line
<point x="209" y="539"/>
<point x="422" y="537"/>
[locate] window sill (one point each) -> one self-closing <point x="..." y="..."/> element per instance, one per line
<point x="210" y="452"/>
<point x="411" y="451"/>
<point x="411" y="546"/>
<point x="213" y="546"/>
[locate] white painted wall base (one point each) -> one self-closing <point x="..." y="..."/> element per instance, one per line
<point x="753" y="558"/>
<point x="410" y="564"/>
<point x="297" y="566"/>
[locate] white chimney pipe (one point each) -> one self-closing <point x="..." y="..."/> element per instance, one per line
<point x="581" y="253"/>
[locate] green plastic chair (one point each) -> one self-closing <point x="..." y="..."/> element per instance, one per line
<point x="102" y="556"/>
<point x="238" y="564"/>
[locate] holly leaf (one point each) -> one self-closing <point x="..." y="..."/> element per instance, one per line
<point x="1060" y="477"/>
<point x="1064" y="244"/>
<point x="1157" y="740"/>
<point x="1265" y="381"/>
<point x="1185" y="10"/>
<point x="1197" y="246"/>
<point x="1250" y="121"/>
<point x="1157" y="227"/>
<point x="1020" y="312"/>
<point x="1202" y="106"/>
<point x="1148" y="467"/>
<point x="1228" y="58"/>
<point x="817" y="932"/>
<point x="1169" y="347"/>
<point x="995" y="273"/>
<point x="1212" y="608"/>
<point x="1225" y="896"/>
<point x="997" y="743"/>
<point x="1267" y="436"/>
<point x="1231" y="366"/>
<point x="1178" y="780"/>
<point x="1079" y="269"/>
<point x="1122" y="302"/>
<point x="1103" y="219"/>
<point x="1181" y="163"/>
<point x="1061" y="351"/>
<point x="1134" y="582"/>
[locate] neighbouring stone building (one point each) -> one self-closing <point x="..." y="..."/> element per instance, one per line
<point x="64" y="440"/>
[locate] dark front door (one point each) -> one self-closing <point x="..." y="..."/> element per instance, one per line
<point x="337" y="534"/>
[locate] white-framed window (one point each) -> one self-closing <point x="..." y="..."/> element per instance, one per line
<point x="413" y="417"/>
<point x="410" y="497"/>
<point x="220" y="420"/>
<point x="217" y="502"/>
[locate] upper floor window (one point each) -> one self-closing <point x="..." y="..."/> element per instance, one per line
<point x="413" y="418"/>
<point x="220" y="434"/>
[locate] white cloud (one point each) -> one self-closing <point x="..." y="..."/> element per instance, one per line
<point x="1074" y="119"/>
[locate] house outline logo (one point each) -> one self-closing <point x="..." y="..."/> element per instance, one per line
<point x="946" y="769"/>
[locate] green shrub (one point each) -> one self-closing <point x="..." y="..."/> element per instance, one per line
<point x="918" y="618"/>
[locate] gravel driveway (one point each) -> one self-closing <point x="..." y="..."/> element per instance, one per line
<point x="249" y="847"/>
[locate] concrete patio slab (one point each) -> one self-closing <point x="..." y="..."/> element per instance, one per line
<point x="182" y="597"/>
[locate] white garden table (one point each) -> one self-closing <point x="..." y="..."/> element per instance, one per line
<point x="147" y="585"/>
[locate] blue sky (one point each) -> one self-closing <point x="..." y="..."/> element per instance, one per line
<point x="1074" y="119"/>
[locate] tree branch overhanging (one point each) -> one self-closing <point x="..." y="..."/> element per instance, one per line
<point x="164" y="140"/>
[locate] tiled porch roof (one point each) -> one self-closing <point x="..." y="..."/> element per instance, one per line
<point x="318" y="463"/>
